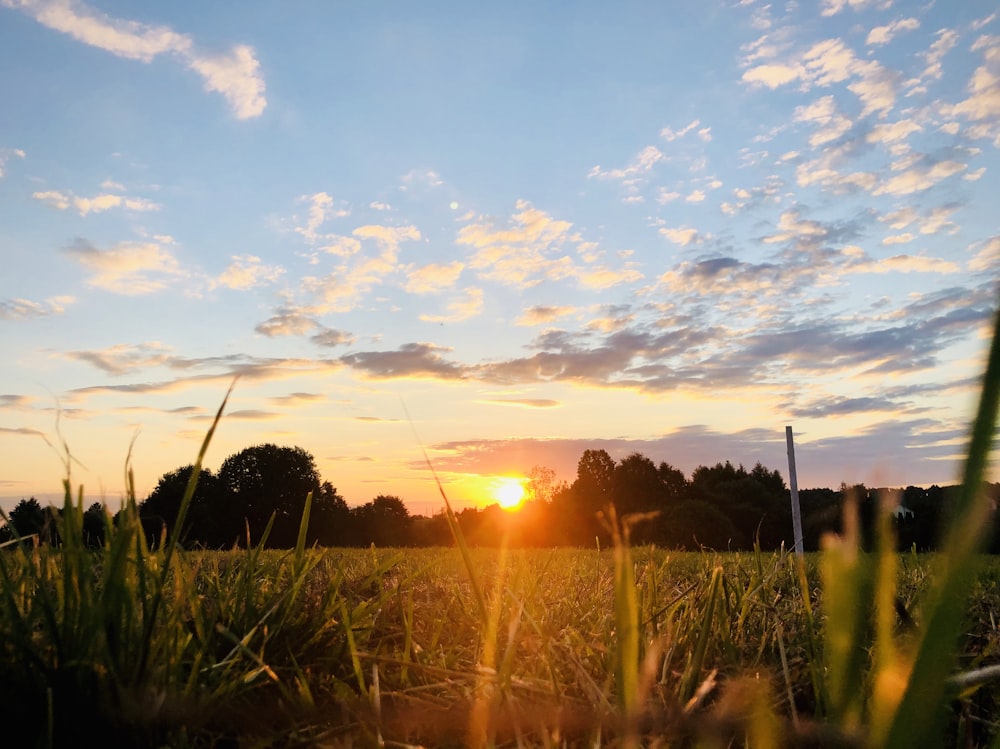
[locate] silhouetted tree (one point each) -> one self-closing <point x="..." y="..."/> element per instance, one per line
<point x="29" y="518"/>
<point x="330" y="518"/>
<point x="159" y="510"/>
<point x="385" y="521"/>
<point x="637" y="486"/>
<point x="260" y="481"/>
<point x="755" y="501"/>
<point x="589" y="494"/>
<point x="94" y="525"/>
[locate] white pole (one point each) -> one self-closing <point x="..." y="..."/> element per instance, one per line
<point x="793" y="483"/>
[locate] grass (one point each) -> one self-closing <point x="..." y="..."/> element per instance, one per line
<point x="629" y="646"/>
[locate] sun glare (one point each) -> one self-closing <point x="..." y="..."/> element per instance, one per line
<point x="508" y="492"/>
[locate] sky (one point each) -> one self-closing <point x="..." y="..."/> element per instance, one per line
<point x="495" y="234"/>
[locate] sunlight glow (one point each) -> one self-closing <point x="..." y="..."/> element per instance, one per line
<point x="508" y="492"/>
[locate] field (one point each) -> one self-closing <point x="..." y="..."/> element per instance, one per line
<point x="471" y="647"/>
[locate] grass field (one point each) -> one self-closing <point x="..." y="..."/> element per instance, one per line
<point x="430" y="647"/>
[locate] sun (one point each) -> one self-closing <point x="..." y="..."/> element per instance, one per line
<point x="508" y="492"/>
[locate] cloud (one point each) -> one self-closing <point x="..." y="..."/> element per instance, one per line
<point x="945" y="41"/>
<point x="884" y="34"/>
<point x="683" y="235"/>
<point x="433" y="277"/>
<point x="600" y="277"/>
<point x="468" y="306"/>
<point x="828" y="62"/>
<point x="426" y="178"/>
<point x="96" y="204"/>
<point x="892" y="451"/>
<point x="523" y="402"/>
<point x="6" y="154"/>
<point x="773" y="75"/>
<point x="297" y="399"/>
<point x="831" y="125"/>
<point x="286" y="322"/>
<point x="237" y="77"/>
<point x="321" y="210"/>
<point x="641" y="164"/>
<point x="25" y="431"/>
<point x="247" y="272"/>
<point x="329" y="338"/>
<point x="543" y="314"/>
<point x="126" y="358"/>
<point x="411" y="360"/>
<point x="918" y="178"/>
<point x="987" y="257"/>
<point x="983" y="102"/>
<point x="905" y="264"/>
<point x="128" y="268"/>
<point x="376" y="257"/>
<point x="234" y="75"/>
<point x="704" y="133"/>
<point x="523" y="254"/>
<point x="21" y="309"/>
<point x="833" y="7"/>
<point x="293" y="321"/>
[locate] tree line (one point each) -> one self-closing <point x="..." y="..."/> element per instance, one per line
<point x="259" y="494"/>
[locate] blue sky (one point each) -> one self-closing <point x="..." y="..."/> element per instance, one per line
<point x="501" y="234"/>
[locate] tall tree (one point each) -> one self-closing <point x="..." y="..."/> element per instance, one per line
<point x="28" y="518"/>
<point x="385" y="521"/>
<point x="159" y="510"/>
<point x="264" y="480"/>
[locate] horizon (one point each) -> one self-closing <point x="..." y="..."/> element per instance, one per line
<point x="498" y="235"/>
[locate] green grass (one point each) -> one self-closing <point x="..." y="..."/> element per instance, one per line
<point x="629" y="646"/>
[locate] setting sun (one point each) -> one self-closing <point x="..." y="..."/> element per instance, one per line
<point x="508" y="492"/>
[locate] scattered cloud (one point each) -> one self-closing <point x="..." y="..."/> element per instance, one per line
<point x="434" y="277"/>
<point x="322" y="208"/>
<point x="247" y="272"/>
<point x="632" y="174"/>
<point x="468" y="306"/>
<point x="125" y="358"/>
<point x="884" y="34"/>
<point x="6" y="154"/>
<point x="128" y="268"/>
<point x="287" y="321"/>
<point x="543" y="314"/>
<point x="682" y="235"/>
<point x="21" y="309"/>
<point x="524" y="402"/>
<point x="704" y="133"/>
<point x="96" y="204"/>
<point x="411" y="360"/>
<point x="235" y="75"/>
<point x="524" y="253"/>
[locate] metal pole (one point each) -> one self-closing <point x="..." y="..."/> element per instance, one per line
<point x="793" y="483"/>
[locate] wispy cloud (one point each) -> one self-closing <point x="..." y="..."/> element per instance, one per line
<point x="469" y="305"/>
<point x="434" y="277"/>
<point x="543" y="314"/>
<point x="123" y="358"/>
<point x="236" y="75"/>
<point x="247" y="272"/>
<point x="96" y="204"/>
<point x="884" y="34"/>
<point x="523" y="402"/>
<point x="128" y="268"/>
<point x="20" y="309"/>
<point x="6" y="154"/>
